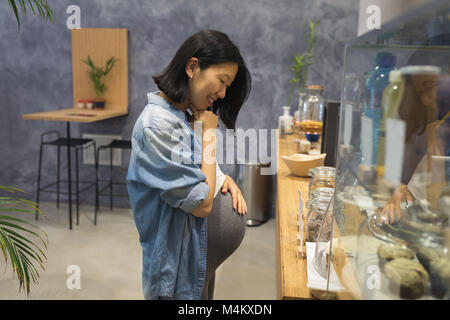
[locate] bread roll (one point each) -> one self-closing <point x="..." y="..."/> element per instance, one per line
<point x="407" y="277"/>
<point x="388" y="252"/>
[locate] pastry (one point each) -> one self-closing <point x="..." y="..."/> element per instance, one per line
<point x="407" y="277"/>
<point x="440" y="277"/>
<point x="426" y="255"/>
<point x="388" y="252"/>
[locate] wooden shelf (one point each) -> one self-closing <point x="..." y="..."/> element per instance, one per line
<point x="75" y="115"/>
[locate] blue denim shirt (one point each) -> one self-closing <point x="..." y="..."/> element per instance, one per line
<point x="165" y="184"/>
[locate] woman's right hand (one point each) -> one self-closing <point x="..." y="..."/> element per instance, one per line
<point x="209" y="120"/>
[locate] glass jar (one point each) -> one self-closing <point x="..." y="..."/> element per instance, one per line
<point x="301" y="98"/>
<point x="323" y="192"/>
<point x="312" y="113"/>
<point x="320" y="192"/>
<point x="319" y="208"/>
<point x="321" y="177"/>
<point x="322" y="252"/>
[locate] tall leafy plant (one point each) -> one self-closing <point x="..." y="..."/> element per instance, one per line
<point x="303" y="61"/>
<point x="21" y="242"/>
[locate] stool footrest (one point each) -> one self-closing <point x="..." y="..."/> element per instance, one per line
<point x="82" y="189"/>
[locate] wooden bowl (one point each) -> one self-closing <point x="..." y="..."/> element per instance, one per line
<point x="300" y="164"/>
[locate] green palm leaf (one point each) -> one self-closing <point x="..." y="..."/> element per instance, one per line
<point x="40" y="6"/>
<point x="23" y="244"/>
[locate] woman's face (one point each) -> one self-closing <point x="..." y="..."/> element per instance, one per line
<point x="210" y="84"/>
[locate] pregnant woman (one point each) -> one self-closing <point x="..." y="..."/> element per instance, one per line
<point x="187" y="228"/>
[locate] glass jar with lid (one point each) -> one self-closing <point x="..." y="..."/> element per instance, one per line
<point x="321" y="177"/>
<point x="319" y="208"/>
<point x="312" y="113"/>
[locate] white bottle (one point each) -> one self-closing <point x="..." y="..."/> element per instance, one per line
<point x="285" y="122"/>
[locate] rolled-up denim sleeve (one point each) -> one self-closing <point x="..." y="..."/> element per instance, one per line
<point x="194" y="198"/>
<point x="164" y="162"/>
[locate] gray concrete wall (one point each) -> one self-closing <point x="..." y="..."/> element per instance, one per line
<point x="35" y="63"/>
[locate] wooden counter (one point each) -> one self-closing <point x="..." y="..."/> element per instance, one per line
<point x="291" y="268"/>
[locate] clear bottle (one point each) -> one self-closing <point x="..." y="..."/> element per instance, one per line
<point x="312" y="113"/>
<point x="285" y="122"/>
<point x="376" y="81"/>
<point x="351" y="112"/>
<point x="389" y="102"/>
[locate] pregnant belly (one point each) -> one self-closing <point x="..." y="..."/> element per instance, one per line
<point x="226" y="230"/>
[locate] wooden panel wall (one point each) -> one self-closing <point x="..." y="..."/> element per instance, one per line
<point x="101" y="44"/>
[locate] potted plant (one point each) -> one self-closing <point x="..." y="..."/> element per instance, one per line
<point x="302" y="63"/>
<point x="97" y="76"/>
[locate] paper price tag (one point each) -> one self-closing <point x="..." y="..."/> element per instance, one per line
<point x="366" y="139"/>
<point x="395" y="147"/>
<point x="348" y="123"/>
<point x="301" y="226"/>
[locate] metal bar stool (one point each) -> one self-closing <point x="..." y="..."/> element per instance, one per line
<point x="77" y="144"/>
<point x="115" y="144"/>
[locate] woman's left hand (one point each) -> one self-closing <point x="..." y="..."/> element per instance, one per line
<point x="238" y="199"/>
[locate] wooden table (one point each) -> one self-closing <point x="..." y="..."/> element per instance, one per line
<point x="74" y="115"/>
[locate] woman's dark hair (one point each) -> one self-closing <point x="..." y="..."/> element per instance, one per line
<point x="209" y="47"/>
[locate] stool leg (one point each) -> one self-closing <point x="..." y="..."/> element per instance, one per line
<point x="94" y="146"/>
<point x="39" y="179"/>
<point x="58" y="176"/>
<point x="110" y="178"/>
<point x="77" y="184"/>
<point x="97" y="197"/>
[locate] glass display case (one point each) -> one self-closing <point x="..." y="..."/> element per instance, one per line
<point x="391" y="232"/>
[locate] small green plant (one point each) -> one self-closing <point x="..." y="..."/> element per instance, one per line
<point x="98" y="75"/>
<point x="302" y="62"/>
<point x="15" y="241"/>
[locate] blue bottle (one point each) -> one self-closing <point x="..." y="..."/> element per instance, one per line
<point x="376" y="80"/>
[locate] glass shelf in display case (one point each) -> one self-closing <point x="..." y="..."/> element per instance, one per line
<point x="392" y="195"/>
